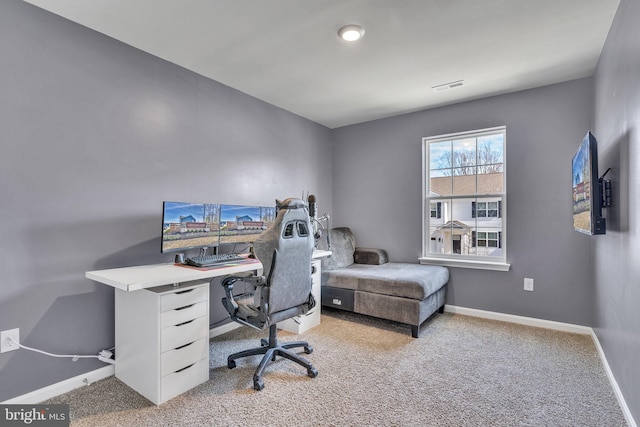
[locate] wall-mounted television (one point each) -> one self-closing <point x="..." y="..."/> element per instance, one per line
<point x="189" y="225"/>
<point x="590" y="192"/>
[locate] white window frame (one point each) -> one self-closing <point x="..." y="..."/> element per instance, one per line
<point x="460" y="260"/>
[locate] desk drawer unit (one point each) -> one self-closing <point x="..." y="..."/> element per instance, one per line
<point x="186" y="378"/>
<point x="182" y="298"/>
<point x="174" y="360"/>
<point x="180" y="334"/>
<point x="182" y="315"/>
<point x="162" y="339"/>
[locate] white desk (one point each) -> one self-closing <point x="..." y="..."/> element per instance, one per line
<point x="162" y="323"/>
<point x="149" y="276"/>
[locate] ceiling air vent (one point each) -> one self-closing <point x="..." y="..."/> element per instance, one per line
<point x="448" y="86"/>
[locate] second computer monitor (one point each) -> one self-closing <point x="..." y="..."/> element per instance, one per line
<point x="242" y="224"/>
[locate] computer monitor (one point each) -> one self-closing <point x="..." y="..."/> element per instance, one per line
<point x="242" y="224"/>
<point x="189" y="225"/>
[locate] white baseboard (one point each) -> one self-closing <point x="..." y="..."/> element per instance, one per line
<point x="614" y="383"/>
<point x="558" y="326"/>
<point x="223" y="329"/>
<point x="65" y="386"/>
<point x="528" y="321"/>
<point x="62" y="387"/>
<point x="70" y="384"/>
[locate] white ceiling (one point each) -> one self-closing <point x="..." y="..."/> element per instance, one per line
<point x="287" y="52"/>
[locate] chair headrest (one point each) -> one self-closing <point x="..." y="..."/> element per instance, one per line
<point x="290" y="203"/>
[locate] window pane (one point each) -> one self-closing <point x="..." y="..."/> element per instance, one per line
<point x="486" y="217"/>
<point x="481" y="210"/>
<point x="433" y="210"/>
<point x="464" y="181"/>
<point x="492" y="209"/>
<point x="436" y="245"/>
<point x="491" y="164"/>
<point x="441" y="183"/>
<point x="490" y="150"/>
<point x="440" y="155"/>
<point x="491" y="246"/>
<point x="453" y="234"/>
<point x="490" y="183"/>
<point x="435" y="220"/>
<point x="464" y="152"/>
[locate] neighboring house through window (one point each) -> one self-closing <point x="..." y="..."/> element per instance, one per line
<point x="465" y="199"/>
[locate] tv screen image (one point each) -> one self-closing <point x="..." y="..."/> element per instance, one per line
<point x="587" y="188"/>
<point x="189" y="225"/>
<point x="243" y="224"/>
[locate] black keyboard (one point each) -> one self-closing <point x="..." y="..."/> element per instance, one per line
<point x="211" y="260"/>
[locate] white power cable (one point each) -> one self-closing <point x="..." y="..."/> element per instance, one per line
<point x="104" y="356"/>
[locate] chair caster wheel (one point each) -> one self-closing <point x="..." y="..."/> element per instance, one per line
<point x="308" y="349"/>
<point x="312" y="372"/>
<point x="264" y="342"/>
<point x="231" y="364"/>
<point x="258" y="385"/>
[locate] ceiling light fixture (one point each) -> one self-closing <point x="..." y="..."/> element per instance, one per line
<point x="351" y="33"/>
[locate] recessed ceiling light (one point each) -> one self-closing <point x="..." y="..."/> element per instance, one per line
<point x="351" y="33"/>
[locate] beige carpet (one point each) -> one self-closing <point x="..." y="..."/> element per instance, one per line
<point x="462" y="371"/>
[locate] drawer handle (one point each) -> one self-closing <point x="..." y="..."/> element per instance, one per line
<point x="182" y="308"/>
<point x="184" y="292"/>
<point x="185" y="368"/>
<point x="183" y="346"/>
<point x="185" y="323"/>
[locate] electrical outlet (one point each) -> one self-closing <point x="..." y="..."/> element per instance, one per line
<point x="528" y="284"/>
<point x="5" y="340"/>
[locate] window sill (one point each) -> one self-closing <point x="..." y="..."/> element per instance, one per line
<point x="465" y="263"/>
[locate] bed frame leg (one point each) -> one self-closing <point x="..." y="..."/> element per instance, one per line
<point x="414" y="331"/>
<point x="441" y="309"/>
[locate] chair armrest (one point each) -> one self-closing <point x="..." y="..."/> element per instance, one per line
<point x="227" y="283"/>
<point x="372" y="256"/>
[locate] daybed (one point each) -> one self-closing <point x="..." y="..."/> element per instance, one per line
<point x="362" y="280"/>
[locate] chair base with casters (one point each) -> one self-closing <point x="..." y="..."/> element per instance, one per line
<point x="271" y="349"/>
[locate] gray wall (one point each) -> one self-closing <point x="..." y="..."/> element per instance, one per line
<point x="617" y="254"/>
<point x="377" y="192"/>
<point x="94" y="136"/>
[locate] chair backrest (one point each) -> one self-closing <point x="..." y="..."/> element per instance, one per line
<point x="285" y="251"/>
